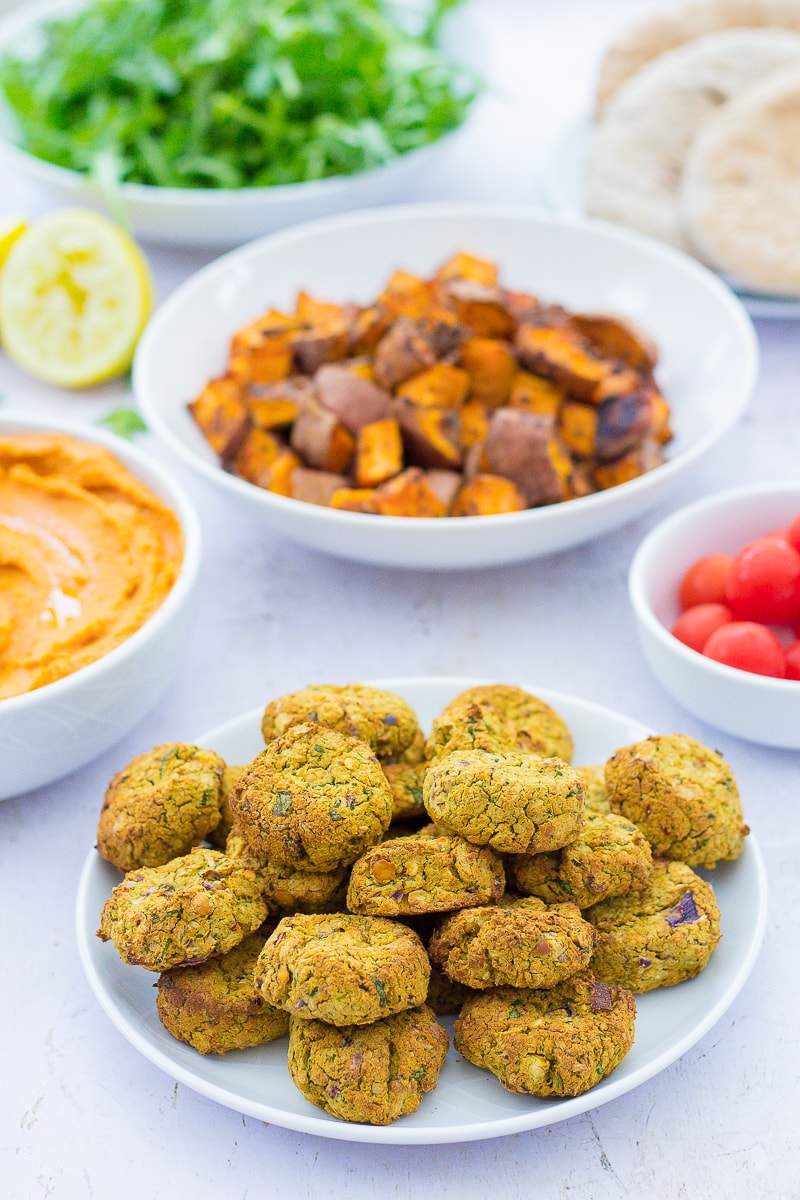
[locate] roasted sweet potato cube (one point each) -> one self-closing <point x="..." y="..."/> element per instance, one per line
<point x="312" y="312"/>
<point x="221" y="414"/>
<point x="408" y="494"/>
<point x="624" y="422"/>
<point x="468" y="266"/>
<point x="527" y="449"/>
<point x="642" y="458"/>
<point x="319" y="344"/>
<point x="260" y="355"/>
<point x="315" y="487"/>
<point x="621" y="381"/>
<point x="535" y="394"/>
<point x="403" y="351"/>
<point x="491" y="365"/>
<point x="406" y="295"/>
<point x="523" y="306"/>
<point x="256" y="456"/>
<point x="379" y="452"/>
<point x="480" y="308"/>
<point x="444" y="484"/>
<point x="367" y="328"/>
<point x="353" y="499"/>
<point x="486" y="494"/>
<point x="282" y="472"/>
<point x="274" y="409"/>
<point x="320" y="438"/>
<point x="431" y="436"/>
<point x="578" y="423"/>
<point x="563" y="355"/>
<point x="439" y="386"/>
<point x="345" y="390"/>
<point x="474" y="422"/>
<point x="617" y="337"/>
<point x="662" y="429"/>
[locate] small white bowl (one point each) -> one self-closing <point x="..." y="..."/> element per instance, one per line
<point x="47" y="733"/>
<point x="755" y="707"/>
<point x="221" y="218"/>
<point x="707" y="369"/>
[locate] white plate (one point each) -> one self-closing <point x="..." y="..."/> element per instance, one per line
<point x="707" y="345"/>
<point x="468" y="1104"/>
<point x="560" y="182"/>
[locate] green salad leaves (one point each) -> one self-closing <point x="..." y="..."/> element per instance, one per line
<point x="233" y="93"/>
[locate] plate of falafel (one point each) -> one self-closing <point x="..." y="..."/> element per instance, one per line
<point x="420" y="910"/>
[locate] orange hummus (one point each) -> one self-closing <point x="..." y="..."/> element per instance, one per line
<point x="87" y="553"/>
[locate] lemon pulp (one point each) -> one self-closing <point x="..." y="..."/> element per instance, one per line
<point x="75" y="294"/>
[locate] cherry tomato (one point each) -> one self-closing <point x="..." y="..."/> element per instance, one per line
<point x="695" y="626"/>
<point x="792" y="533"/>
<point x="764" y="582"/>
<point x="793" y="661"/>
<point x="704" y="582"/>
<point x="748" y="646"/>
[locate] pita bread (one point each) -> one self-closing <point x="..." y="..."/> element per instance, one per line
<point x="674" y="27"/>
<point x="636" y="155"/>
<point x="740" y="192"/>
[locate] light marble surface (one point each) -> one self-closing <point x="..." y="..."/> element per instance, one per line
<point x="82" y="1114"/>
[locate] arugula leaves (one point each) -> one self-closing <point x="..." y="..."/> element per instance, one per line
<point x="233" y="93"/>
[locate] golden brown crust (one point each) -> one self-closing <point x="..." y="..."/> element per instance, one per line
<point x="183" y="912"/>
<point x="660" y="936"/>
<point x="342" y="969"/>
<point x="517" y="803"/>
<point x="548" y="1043"/>
<point x="382" y="719"/>
<point x="215" y="1007"/>
<point x="160" y="805"/>
<point x="406" y="780"/>
<point x="683" y="797"/>
<point x="422" y="873"/>
<point x="524" y="944"/>
<point x="609" y="857"/>
<point x="314" y="799"/>
<point x="538" y="728"/>
<point x="368" y="1073"/>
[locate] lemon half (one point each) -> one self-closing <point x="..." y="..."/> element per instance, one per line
<point x="12" y="226"/>
<point x="75" y="294"/>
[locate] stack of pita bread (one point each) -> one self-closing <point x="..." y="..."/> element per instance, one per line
<point x="697" y="137"/>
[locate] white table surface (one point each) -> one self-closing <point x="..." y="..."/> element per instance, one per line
<point x="82" y="1114"/>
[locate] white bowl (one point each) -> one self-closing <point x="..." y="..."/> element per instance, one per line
<point x="220" y="218"/>
<point x="47" y="733"/>
<point x="707" y="369"/>
<point x="755" y="707"/>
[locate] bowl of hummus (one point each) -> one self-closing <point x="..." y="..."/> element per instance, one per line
<point x="99" y="557"/>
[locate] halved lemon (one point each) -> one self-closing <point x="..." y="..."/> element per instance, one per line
<point x="75" y="294"/>
<point x="12" y="226"/>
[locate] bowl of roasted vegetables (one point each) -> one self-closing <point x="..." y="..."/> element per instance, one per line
<point x="211" y="124"/>
<point x="446" y="386"/>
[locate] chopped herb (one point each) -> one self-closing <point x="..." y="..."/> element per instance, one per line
<point x="233" y="93"/>
<point x="419" y="1074"/>
<point x="381" y="990"/>
<point x="416" y="792"/>
<point x="283" y="802"/>
<point x="124" y="422"/>
<point x="514" y="1013"/>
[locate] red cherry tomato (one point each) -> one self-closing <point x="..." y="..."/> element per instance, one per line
<point x="764" y="582"/>
<point x="695" y="626"/>
<point x="704" y="582"/>
<point x="792" y="533"/>
<point x="793" y="661"/>
<point x="748" y="646"/>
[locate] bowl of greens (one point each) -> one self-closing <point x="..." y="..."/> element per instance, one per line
<point x="210" y="124"/>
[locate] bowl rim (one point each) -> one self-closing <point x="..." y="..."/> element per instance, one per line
<point x="26" y="17"/>
<point x="166" y="487"/>
<point x="387" y="215"/>
<point x="639" y="575"/>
